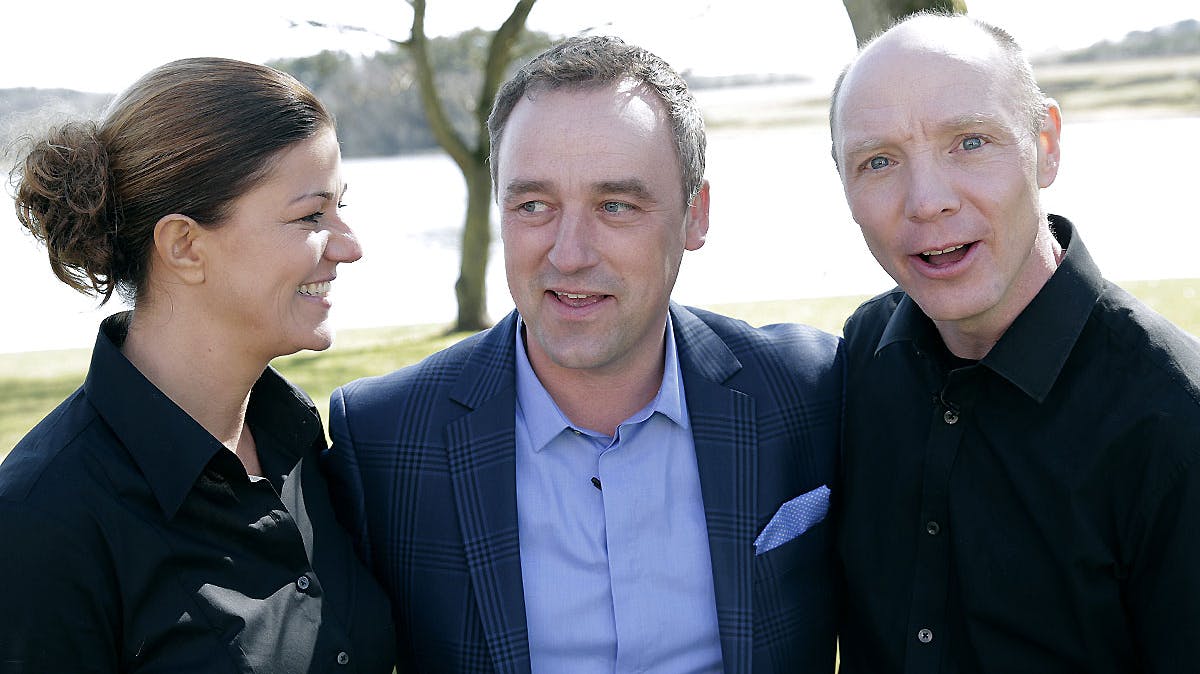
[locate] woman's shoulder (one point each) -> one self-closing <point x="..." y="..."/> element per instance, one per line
<point x="54" y="466"/>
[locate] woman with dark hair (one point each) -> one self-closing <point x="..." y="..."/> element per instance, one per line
<point x="170" y="515"/>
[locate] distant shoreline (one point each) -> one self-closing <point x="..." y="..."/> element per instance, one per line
<point x="1133" y="88"/>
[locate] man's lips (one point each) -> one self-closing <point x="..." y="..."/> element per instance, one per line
<point x="938" y="257"/>
<point x="577" y="300"/>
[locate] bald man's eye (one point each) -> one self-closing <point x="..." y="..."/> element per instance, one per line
<point x="972" y="143"/>
<point x="876" y="163"/>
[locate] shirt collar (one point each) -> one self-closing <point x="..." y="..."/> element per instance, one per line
<point x="543" y="418"/>
<point x="1032" y="352"/>
<point x="169" y="447"/>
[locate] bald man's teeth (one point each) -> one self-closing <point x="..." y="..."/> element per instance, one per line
<point x="572" y="296"/>
<point x="314" y="289"/>
<point x="951" y="249"/>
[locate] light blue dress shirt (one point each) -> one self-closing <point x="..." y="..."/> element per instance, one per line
<point x="616" y="579"/>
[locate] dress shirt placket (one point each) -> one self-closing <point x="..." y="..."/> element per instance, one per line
<point x="926" y="633"/>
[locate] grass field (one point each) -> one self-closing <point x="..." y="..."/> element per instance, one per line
<point x="32" y="384"/>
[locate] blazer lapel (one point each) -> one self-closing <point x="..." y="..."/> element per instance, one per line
<point x="725" y="436"/>
<point x="481" y="446"/>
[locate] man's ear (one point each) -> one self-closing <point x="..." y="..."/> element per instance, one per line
<point x="697" y="219"/>
<point x="180" y="259"/>
<point x="1048" y="147"/>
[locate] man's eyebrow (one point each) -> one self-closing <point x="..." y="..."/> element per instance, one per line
<point x="630" y="186"/>
<point x="520" y="186"/>
<point x="969" y="121"/>
<point x="865" y="146"/>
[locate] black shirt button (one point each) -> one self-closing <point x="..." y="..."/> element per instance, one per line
<point x="343" y="658"/>
<point x="932" y="528"/>
<point x="950" y="417"/>
<point x="302" y="583"/>
<point x="925" y="635"/>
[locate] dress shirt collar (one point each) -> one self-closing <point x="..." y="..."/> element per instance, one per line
<point x="170" y="447"/>
<point x="545" y="420"/>
<point x="1032" y="352"/>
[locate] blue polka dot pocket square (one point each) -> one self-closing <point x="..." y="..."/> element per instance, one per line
<point x="793" y="518"/>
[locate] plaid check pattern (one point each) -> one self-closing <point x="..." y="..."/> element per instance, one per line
<point x="423" y="473"/>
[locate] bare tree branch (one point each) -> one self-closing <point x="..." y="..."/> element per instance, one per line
<point x="499" y="56"/>
<point x="439" y="124"/>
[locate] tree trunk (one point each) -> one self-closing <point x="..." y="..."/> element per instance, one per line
<point x="471" y="287"/>
<point x="871" y="17"/>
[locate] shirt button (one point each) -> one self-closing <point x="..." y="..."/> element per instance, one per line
<point x="932" y="528"/>
<point x="343" y="658"/>
<point x="302" y="583"/>
<point x="925" y="635"/>
<point x="950" y="417"/>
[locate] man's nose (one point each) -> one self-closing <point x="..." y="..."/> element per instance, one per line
<point x="932" y="192"/>
<point x="574" y="247"/>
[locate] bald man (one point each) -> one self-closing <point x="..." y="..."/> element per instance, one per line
<point x="1021" y="488"/>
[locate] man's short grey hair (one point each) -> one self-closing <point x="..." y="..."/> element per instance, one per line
<point x="596" y="61"/>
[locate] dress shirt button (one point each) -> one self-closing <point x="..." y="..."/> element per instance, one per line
<point x="925" y="635"/>
<point x="932" y="528"/>
<point x="950" y="417"/>
<point x="343" y="658"/>
<point x="302" y="583"/>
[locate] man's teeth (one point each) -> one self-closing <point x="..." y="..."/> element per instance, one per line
<point x="315" y="289"/>
<point x="951" y="249"/>
<point x="572" y="296"/>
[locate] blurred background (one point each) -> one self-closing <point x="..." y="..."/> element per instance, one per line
<point x="1127" y="76"/>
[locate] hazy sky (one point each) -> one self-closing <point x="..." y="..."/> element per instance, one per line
<point x="104" y="46"/>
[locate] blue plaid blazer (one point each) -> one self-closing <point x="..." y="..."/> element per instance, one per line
<point x="422" y="472"/>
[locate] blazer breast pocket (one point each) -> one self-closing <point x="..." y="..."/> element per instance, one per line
<point x="796" y="532"/>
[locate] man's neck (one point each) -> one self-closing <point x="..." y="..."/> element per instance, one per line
<point x="600" y="399"/>
<point x="972" y="338"/>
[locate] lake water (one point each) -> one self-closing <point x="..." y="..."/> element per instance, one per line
<point x="780" y="229"/>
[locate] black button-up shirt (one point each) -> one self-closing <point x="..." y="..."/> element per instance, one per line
<point x="1037" y="511"/>
<point x="134" y="541"/>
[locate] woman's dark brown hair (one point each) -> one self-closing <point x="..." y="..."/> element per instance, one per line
<point x="189" y="137"/>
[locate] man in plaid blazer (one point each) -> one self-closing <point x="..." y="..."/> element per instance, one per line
<point x="700" y="543"/>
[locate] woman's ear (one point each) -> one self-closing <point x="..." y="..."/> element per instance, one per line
<point x="179" y="258"/>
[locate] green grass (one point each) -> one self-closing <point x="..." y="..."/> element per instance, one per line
<point x="32" y="384"/>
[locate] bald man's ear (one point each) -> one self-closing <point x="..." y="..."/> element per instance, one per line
<point x="1048" y="148"/>
<point x="176" y="253"/>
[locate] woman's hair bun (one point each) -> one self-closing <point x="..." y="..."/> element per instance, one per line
<point x="64" y="197"/>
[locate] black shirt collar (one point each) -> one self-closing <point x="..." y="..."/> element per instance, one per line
<point x="1031" y="353"/>
<point x="170" y="448"/>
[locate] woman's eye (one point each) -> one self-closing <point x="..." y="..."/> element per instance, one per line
<point x="972" y="143"/>
<point x="877" y="163"/>
<point x="616" y="207"/>
<point x="314" y="218"/>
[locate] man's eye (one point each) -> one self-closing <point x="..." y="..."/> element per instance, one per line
<point x="616" y="207"/>
<point x="533" y="206"/>
<point x="972" y="143"/>
<point x="877" y="163"/>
